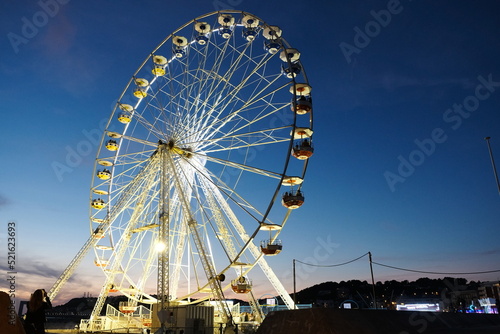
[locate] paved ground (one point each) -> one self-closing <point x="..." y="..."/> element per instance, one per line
<point x="337" y="321"/>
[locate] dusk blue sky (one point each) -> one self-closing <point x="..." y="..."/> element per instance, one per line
<point x="404" y="94"/>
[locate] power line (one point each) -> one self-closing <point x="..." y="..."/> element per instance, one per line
<point x="371" y="269"/>
<point x="332" y="265"/>
<point x="399" y="268"/>
<point x="434" y="272"/>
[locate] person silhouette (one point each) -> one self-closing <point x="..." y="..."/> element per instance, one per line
<point x="9" y="321"/>
<point x="35" y="317"/>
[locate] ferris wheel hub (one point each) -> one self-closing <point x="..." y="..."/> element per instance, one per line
<point x="185" y="152"/>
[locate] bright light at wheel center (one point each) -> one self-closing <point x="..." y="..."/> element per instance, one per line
<point x="160" y="246"/>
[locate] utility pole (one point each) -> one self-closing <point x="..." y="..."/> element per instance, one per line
<point x="294" y="287"/>
<point x="373" y="281"/>
<point x="493" y="163"/>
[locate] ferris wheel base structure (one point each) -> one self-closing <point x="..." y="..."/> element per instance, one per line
<point x="205" y="151"/>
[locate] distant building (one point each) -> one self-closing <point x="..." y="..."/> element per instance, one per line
<point x="461" y="300"/>
<point x="489" y="305"/>
<point x="429" y="304"/>
<point x="419" y="306"/>
<point x="489" y="290"/>
<point x="489" y="296"/>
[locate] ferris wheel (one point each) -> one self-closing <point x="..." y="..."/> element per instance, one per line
<point x="201" y="164"/>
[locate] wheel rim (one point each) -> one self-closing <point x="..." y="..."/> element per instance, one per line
<point x="205" y="118"/>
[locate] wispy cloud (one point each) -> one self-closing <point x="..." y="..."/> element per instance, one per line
<point x="390" y="226"/>
<point x="61" y="55"/>
<point x="60" y="36"/>
<point x="36" y="268"/>
<point x="493" y="251"/>
<point x="4" y="201"/>
<point x="36" y="274"/>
